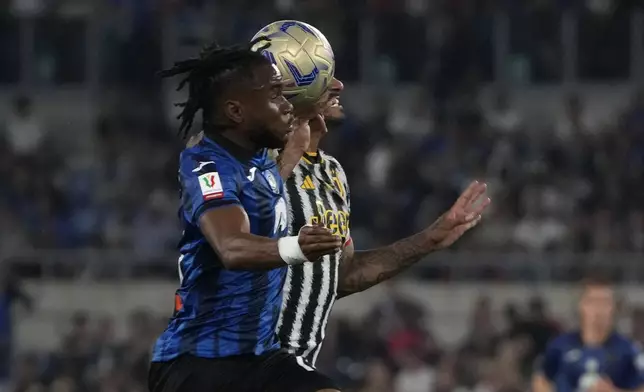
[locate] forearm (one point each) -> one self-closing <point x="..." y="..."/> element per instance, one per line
<point x="296" y="146"/>
<point x="288" y="159"/>
<point x="250" y="252"/>
<point x="368" y="268"/>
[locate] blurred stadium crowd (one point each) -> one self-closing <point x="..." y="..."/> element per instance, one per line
<point x="391" y="350"/>
<point x="571" y="181"/>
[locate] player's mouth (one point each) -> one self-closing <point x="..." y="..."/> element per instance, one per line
<point x="290" y="125"/>
<point x="334" y="102"/>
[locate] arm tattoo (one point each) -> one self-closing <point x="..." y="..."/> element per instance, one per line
<point x="370" y="267"/>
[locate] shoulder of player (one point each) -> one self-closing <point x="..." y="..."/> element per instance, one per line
<point x="195" y="161"/>
<point x="625" y="343"/>
<point x="565" y="341"/>
<point x="328" y="157"/>
<point x="335" y="164"/>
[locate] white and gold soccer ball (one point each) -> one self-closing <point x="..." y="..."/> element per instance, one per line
<point x="303" y="56"/>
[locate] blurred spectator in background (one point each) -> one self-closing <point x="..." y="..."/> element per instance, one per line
<point x="377" y="378"/>
<point x="27" y="8"/>
<point x="414" y="374"/>
<point x="535" y="329"/>
<point x="11" y="293"/>
<point x="483" y="336"/>
<point x="24" y="131"/>
<point x="26" y="375"/>
<point x="637" y="325"/>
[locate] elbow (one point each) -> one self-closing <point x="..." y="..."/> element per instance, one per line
<point x="231" y="260"/>
<point x="233" y="264"/>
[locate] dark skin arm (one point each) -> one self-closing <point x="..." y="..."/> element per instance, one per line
<point x="364" y="269"/>
<point x="228" y="231"/>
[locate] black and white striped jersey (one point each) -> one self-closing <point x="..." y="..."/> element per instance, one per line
<point x="316" y="192"/>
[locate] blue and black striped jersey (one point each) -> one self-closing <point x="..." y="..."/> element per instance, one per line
<point x="218" y="312"/>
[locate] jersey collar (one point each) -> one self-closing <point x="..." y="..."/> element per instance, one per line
<point x="236" y="151"/>
<point x="313" y="158"/>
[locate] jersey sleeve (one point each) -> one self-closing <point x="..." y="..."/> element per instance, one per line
<point x="634" y="369"/>
<point x="207" y="184"/>
<point x="548" y="364"/>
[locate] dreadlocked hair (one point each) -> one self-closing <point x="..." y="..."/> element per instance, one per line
<point x="209" y="72"/>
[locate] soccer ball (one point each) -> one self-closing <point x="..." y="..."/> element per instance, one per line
<point x="303" y="56"/>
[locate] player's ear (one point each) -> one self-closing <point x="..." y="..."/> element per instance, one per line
<point x="233" y="110"/>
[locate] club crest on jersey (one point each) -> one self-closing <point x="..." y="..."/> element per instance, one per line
<point x="272" y="182"/>
<point x="210" y="185"/>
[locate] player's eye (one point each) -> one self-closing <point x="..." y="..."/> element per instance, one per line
<point x="276" y="91"/>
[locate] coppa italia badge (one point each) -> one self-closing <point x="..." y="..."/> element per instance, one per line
<point x="210" y="185"/>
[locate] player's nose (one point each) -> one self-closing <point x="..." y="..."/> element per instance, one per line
<point x="336" y="85"/>
<point x="287" y="107"/>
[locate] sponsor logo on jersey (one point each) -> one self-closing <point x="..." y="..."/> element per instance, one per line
<point x="307" y="183"/>
<point x="202" y="165"/>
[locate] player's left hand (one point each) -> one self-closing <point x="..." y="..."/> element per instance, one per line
<point x="603" y="385"/>
<point x="464" y="215"/>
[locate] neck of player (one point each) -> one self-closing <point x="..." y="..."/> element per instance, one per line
<point x="595" y="335"/>
<point x="240" y="140"/>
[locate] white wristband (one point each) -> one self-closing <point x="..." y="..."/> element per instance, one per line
<point x="290" y="251"/>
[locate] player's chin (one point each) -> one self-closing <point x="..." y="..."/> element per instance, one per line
<point x="281" y="138"/>
<point x="278" y="140"/>
<point x="274" y="138"/>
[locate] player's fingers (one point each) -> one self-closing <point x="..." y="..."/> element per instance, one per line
<point x="474" y="211"/>
<point x="467" y="226"/>
<point x="470" y="213"/>
<point x="321" y="246"/>
<point x="467" y="194"/>
<point x="478" y="209"/>
<point x="314" y="229"/>
<point x="458" y="231"/>
<point x="320" y="233"/>
<point x="326" y="241"/>
<point x="476" y="196"/>
<point x="320" y="239"/>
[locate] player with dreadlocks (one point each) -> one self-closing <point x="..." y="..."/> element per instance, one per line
<point x="233" y="247"/>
